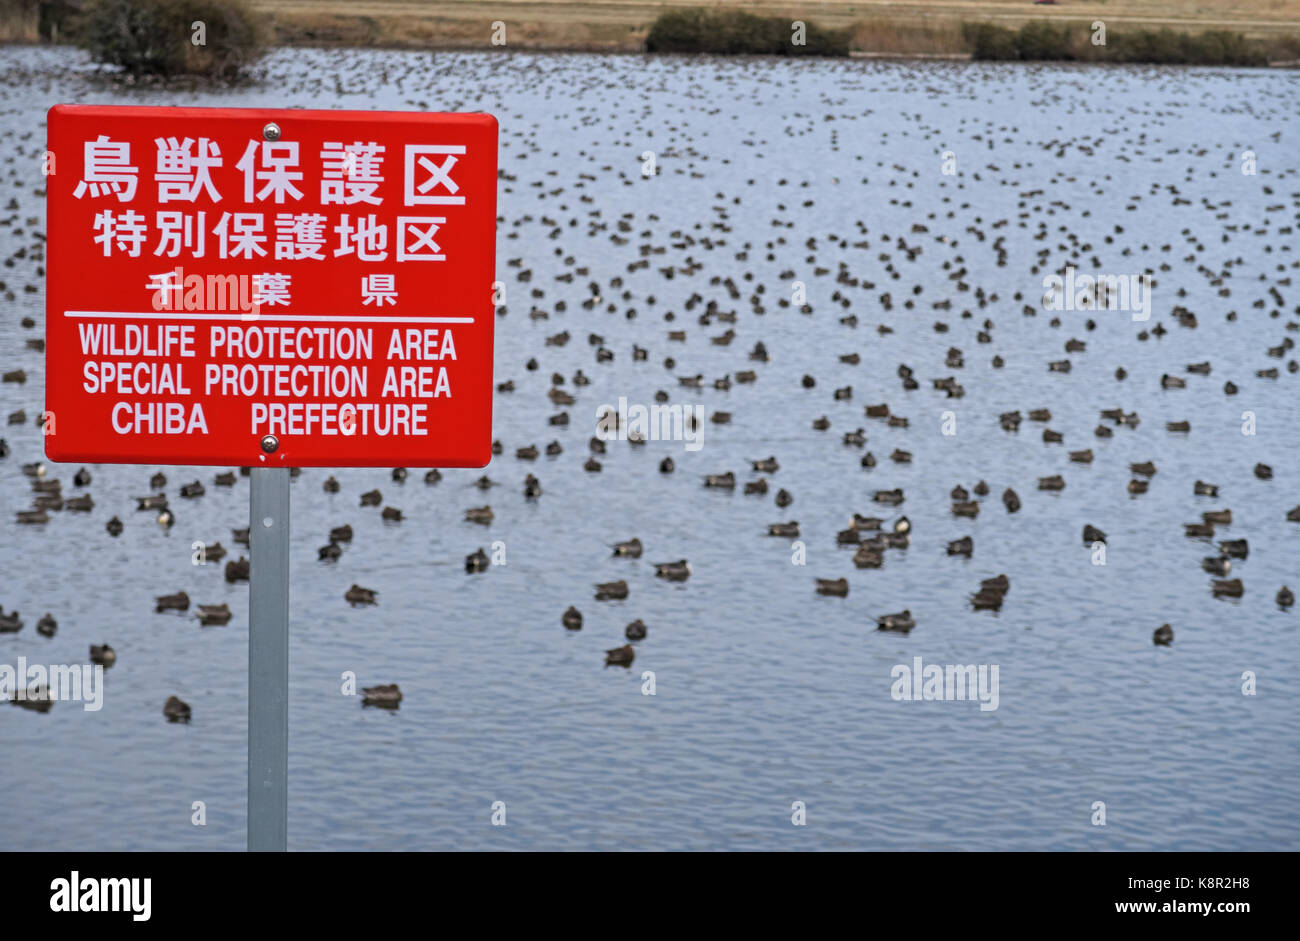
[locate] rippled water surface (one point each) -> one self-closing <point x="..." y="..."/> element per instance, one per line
<point x="766" y="693"/>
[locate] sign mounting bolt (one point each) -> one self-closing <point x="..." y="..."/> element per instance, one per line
<point x="271" y="131"/>
<point x="270" y="443"/>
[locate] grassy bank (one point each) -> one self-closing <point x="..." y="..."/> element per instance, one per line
<point x="1142" y="30"/>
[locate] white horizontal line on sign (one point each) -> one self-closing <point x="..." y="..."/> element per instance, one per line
<point x="299" y="318"/>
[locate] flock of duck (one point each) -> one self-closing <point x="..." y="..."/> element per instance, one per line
<point x="861" y="284"/>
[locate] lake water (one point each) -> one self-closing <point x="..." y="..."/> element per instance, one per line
<point x="766" y="693"/>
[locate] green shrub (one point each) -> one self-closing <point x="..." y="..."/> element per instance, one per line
<point x="987" y="41"/>
<point x="734" y="32"/>
<point x="157" y="37"/>
<point x="1039" y="40"/>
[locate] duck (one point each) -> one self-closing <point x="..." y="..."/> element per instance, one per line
<point x="867" y="523"/>
<point x="1231" y="588"/>
<point x="767" y="465"/>
<point x="392" y="514"/>
<point x="847" y="537"/>
<point x="902" y="622"/>
<point x="868" y="460"/>
<point x="572" y="619"/>
<point x="666" y="466"/>
<point x="237" y="570"/>
<point x="963" y="546"/>
<point x="756" y="486"/>
<point x="1216" y="565"/>
<point x="1198" y="530"/>
<point x="155" y="502"/>
<point x="81" y="478"/>
<point x="1293" y="514"/>
<point x="725" y="481"/>
<point x="1011" y="500"/>
<point x="47" y="626"/>
<point x="968" y="509"/>
<point x="331" y="484"/>
<point x="630" y="549"/>
<point x="158" y="481"/>
<point x="1285" y="597"/>
<point x="434" y="475"/>
<point x="10" y="623"/>
<point x="192" y="490"/>
<point x="214" y="614"/>
<point x="356" y="595"/>
<point x="611" y="591"/>
<point x="1235" y="548"/>
<point x="1163" y="636"/>
<point x="1081" y="457"/>
<point x="177" y="602"/>
<point x="36" y="697"/>
<point x="1055" y="482"/>
<point x="103" y="654"/>
<point x="1136" y="486"/>
<point x="82" y="504"/>
<point x="821" y="424"/>
<point x="635" y="631"/>
<point x="890" y="497"/>
<point x="341" y="533"/>
<point x="1220" y="517"/>
<point x="240" y="536"/>
<point x="386" y="696"/>
<point x="1092" y="534"/>
<point x="479" y="514"/>
<point x="1263" y="472"/>
<point x="1202" y="489"/>
<point x="677" y="571"/>
<point x="836" y="587"/>
<point x="476" y="562"/>
<point x="620" y="656"/>
<point x="868" y="557"/>
<point x="176" y="710"/>
<point x="787" y="530"/>
<point x="784" y="498"/>
<point x="372" y="498"/>
<point x="329" y="552"/>
<point x="114" y="527"/>
<point x="1143" y="468"/>
<point x="532" y="487"/>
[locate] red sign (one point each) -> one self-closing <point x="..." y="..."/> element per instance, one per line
<point x="217" y="275"/>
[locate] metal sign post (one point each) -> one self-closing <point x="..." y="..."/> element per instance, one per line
<point x="268" y="288"/>
<point x="268" y="659"/>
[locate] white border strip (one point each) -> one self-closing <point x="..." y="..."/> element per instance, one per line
<point x="251" y="318"/>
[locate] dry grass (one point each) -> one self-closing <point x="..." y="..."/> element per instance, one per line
<point x="906" y="27"/>
<point x="19" y="21"/>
